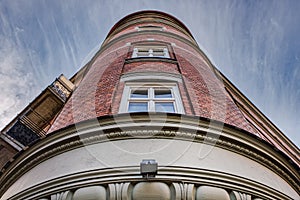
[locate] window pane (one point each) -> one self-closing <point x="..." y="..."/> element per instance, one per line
<point x="138" y="107"/>
<point x="158" y="50"/>
<point x="158" y="54"/>
<point x="164" y="107"/>
<point x="139" y="93"/>
<point x="143" y="52"/>
<point x="150" y="28"/>
<point x="163" y="93"/>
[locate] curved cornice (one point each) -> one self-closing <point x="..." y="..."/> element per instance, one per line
<point x="145" y="17"/>
<point x="171" y="126"/>
<point x="173" y="174"/>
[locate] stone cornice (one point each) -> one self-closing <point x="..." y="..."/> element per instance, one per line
<point x="171" y="126"/>
<point x="148" y="17"/>
<point x="174" y="174"/>
<point x="148" y="59"/>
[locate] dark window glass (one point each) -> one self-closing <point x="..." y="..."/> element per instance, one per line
<point x="162" y="93"/>
<point x="139" y="93"/>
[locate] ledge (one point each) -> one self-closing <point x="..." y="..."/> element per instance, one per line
<point x="154" y="125"/>
<point x="168" y="175"/>
<point x="149" y="59"/>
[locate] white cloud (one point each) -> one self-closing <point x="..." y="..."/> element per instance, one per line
<point x="16" y="83"/>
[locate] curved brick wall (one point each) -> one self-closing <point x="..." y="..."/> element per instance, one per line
<point x="99" y="92"/>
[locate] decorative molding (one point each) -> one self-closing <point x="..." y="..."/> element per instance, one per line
<point x="169" y="21"/>
<point x="151" y="190"/>
<point x="208" y="192"/>
<point x="234" y="195"/>
<point x="183" y="191"/>
<point x="90" y="192"/>
<point x="120" y="191"/>
<point x="140" y="190"/>
<point x="68" y="139"/>
<point x="62" y="196"/>
<point x="121" y="182"/>
<point x="162" y="76"/>
<point x="150" y="59"/>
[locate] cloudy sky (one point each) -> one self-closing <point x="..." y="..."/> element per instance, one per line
<point x="254" y="43"/>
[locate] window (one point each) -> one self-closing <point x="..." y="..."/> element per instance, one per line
<point x="151" y="97"/>
<point x="150" y="28"/>
<point x="150" y="51"/>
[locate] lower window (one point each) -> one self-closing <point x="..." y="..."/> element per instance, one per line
<point x="151" y="97"/>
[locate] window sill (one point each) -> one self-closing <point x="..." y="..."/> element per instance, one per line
<point x="150" y="59"/>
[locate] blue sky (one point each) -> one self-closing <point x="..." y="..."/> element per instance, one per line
<point x="254" y="43"/>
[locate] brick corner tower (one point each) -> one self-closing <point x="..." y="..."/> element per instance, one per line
<point x="148" y="117"/>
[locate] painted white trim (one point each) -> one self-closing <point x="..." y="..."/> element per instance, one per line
<point x="151" y="76"/>
<point x="232" y="139"/>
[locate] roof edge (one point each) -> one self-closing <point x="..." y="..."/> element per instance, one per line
<point x="146" y="14"/>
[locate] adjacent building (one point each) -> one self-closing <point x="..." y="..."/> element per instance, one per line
<point x="148" y="117"/>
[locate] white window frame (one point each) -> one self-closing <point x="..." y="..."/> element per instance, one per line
<point x="150" y="49"/>
<point x="150" y="86"/>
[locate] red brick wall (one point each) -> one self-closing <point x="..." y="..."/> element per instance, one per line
<point x="117" y="96"/>
<point x="100" y="91"/>
<point x="93" y="96"/>
<point x="150" y="67"/>
<point x="208" y="96"/>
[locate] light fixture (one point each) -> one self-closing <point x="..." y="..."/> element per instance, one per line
<point x="148" y="168"/>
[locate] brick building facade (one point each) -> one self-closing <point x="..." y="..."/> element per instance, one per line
<point x="149" y="117"/>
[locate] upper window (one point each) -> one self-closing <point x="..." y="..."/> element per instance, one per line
<point x="150" y="51"/>
<point x="150" y="97"/>
<point x="150" y="28"/>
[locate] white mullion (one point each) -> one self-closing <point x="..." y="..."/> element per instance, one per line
<point x="164" y="100"/>
<point x="178" y="101"/>
<point x="148" y="97"/>
<point x="173" y="93"/>
<point x="166" y="53"/>
<point x="135" y="53"/>
<point x="175" y="106"/>
<point x="151" y="99"/>
<point x="150" y="51"/>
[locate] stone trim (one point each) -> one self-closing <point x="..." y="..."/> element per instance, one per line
<point x="161" y="76"/>
<point x="182" y="183"/>
<point x="150" y="59"/>
<point x="156" y="18"/>
<point x="231" y="139"/>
